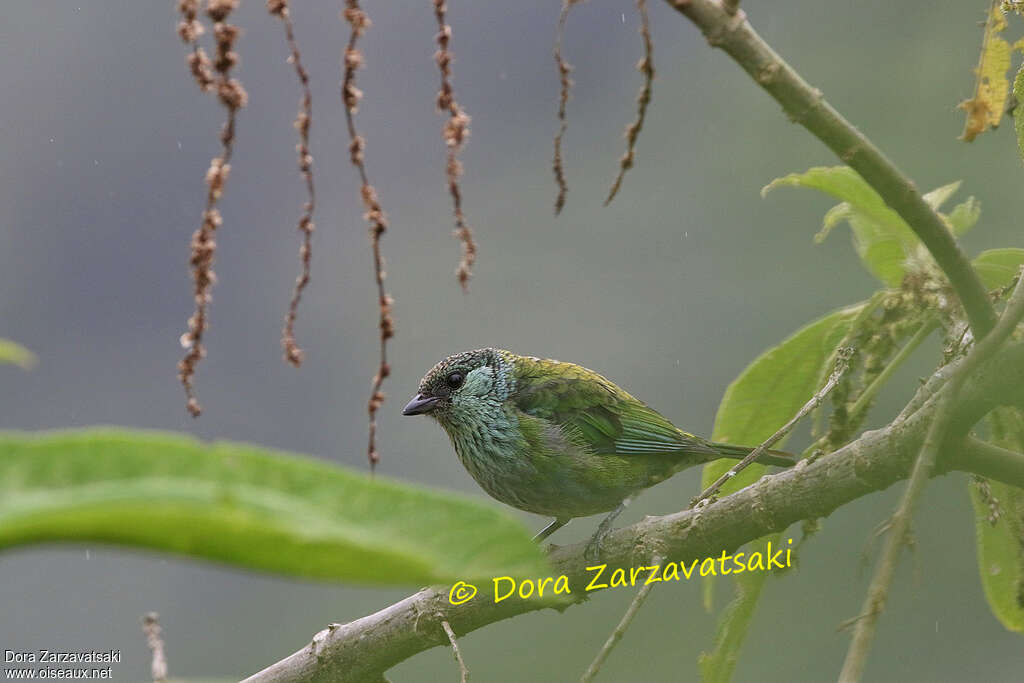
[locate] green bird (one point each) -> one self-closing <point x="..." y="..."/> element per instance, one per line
<point x="555" y="438"/>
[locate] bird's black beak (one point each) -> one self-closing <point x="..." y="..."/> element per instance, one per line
<point x="420" y="404"/>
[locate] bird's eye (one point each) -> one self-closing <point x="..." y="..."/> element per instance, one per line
<point x="454" y="380"/>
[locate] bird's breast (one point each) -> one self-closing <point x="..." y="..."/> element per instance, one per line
<point x="530" y="464"/>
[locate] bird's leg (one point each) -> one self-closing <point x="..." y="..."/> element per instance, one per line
<point x="555" y="525"/>
<point x="593" y="549"/>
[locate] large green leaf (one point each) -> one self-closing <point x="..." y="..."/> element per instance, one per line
<point x="16" y="354"/>
<point x="250" y="507"/>
<point x="763" y="398"/>
<point x="881" y="237"/>
<point x="998" y="267"/>
<point x="999" y="522"/>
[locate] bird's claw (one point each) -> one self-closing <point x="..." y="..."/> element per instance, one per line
<point x="592" y="553"/>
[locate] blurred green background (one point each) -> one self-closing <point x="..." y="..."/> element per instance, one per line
<point x="670" y="291"/>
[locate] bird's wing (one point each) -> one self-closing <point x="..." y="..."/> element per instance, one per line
<point x="599" y="412"/>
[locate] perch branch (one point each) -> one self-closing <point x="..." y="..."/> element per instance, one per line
<point x="807" y="106"/>
<point x="363" y="649"/>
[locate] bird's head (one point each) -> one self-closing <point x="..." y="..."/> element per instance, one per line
<point x="464" y="387"/>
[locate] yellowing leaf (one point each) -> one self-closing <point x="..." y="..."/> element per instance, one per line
<point x="1018" y="112"/>
<point x="991" y="88"/>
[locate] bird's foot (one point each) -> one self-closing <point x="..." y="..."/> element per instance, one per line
<point x="593" y="550"/>
<point x="592" y="553"/>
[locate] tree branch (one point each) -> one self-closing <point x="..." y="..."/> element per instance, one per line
<point x="363" y="649"/>
<point x="807" y="106"/>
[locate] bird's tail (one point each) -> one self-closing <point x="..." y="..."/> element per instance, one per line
<point x="777" y="458"/>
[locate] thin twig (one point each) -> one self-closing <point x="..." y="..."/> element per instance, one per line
<point x="646" y="67"/>
<point x="203" y="246"/>
<point x="455" y="134"/>
<point x="292" y="352"/>
<point x="899" y="526"/>
<point x="565" y="82"/>
<point x="455" y="650"/>
<point x="842" y="364"/>
<point x="350" y="96"/>
<point x="154" y="639"/>
<point x="621" y="628"/>
<point x="807" y="106"/>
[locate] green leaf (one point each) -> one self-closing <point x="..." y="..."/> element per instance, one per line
<point x="998" y="267"/>
<point x="16" y="354"/>
<point x="963" y="216"/>
<point x="880" y="236"/>
<point x="846" y="185"/>
<point x="940" y="195"/>
<point x="882" y="239"/>
<point x="834" y="216"/>
<point x="999" y="522"/>
<point x="1001" y="551"/>
<point x="249" y="507"/>
<point x="885" y="257"/>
